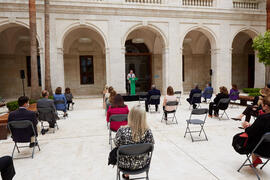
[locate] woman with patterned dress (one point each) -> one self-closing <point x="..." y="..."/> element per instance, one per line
<point x="137" y="131"/>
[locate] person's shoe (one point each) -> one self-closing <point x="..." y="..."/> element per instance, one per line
<point x="33" y="144"/>
<point x="65" y="115"/>
<point x="236" y="119"/>
<point x="257" y="162"/>
<point x="43" y="131"/>
<point x="210" y="116"/>
<point x="125" y="177"/>
<point x="240" y="127"/>
<point x="215" y="115"/>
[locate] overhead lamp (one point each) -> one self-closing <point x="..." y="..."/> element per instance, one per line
<point x="137" y="40"/>
<point x="85" y="40"/>
<point x="24" y="38"/>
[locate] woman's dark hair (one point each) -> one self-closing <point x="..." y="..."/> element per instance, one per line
<point x="110" y="89"/>
<point x="112" y="96"/>
<point x="67" y="90"/>
<point x="118" y="101"/>
<point x="58" y="90"/>
<point x="170" y="91"/>
<point x="223" y="90"/>
<point x="234" y="86"/>
<point x="22" y="100"/>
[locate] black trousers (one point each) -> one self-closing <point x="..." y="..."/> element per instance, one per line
<point x="7" y="168"/>
<point x="248" y="112"/>
<point x="70" y="102"/>
<point x="193" y="104"/>
<point x="213" y="107"/>
<point x="146" y="106"/>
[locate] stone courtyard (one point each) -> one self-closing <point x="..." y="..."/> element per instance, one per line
<point x="79" y="149"/>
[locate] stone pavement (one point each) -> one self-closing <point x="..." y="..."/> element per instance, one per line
<point x="79" y="149"/>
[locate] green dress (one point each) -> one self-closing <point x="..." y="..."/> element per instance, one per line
<point x="132" y="85"/>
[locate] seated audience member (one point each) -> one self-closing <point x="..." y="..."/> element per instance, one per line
<point x="69" y="97"/>
<point x="7" y="168"/>
<point x="47" y="103"/>
<point x="137" y="131"/>
<point x="256" y="108"/>
<point x="223" y="93"/>
<point x="234" y="93"/>
<point x="194" y="101"/>
<point x="168" y="98"/>
<point x="109" y="101"/>
<point x="60" y="101"/>
<point x="23" y="114"/>
<point x="257" y="130"/>
<point x="117" y="107"/>
<point x="207" y="93"/>
<point x="153" y="91"/>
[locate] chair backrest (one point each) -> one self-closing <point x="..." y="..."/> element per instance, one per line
<point x="199" y="111"/>
<point x="172" y="103"/>
<point x="265" y="138"/>
<point x="14" y="126"/>
<point x="223" y="103"/>
<point x="118" y="117"/>
<point x="178" y="92"/>
<point x="46" y="114"/>
<point x="209" y="91"/>
<point x="135" y="149"/>
<point x="44" y="110"/>
<point x="234" y="95"/>
<point x="155" y="97"/>
<point x="59" y="102"/>
<point x="196" y="98"/>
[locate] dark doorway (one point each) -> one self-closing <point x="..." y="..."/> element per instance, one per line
<point x="251" y="70"/>
<point x="138" y="58"/>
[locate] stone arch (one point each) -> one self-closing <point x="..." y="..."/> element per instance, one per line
<point x="77" y="25"/>
<point x="150" y="27"/>
<point x="248" y="30"/>
<point x="206" y="31"/>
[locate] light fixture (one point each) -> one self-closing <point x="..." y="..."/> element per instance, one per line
<point x="24" y="38"/>
<point x="187" y="40"/>
<point x="137" y="40"/>
<point x="85" y="40"/>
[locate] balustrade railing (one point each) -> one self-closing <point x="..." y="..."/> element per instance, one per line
<point x="246" y="4"/>
<point x="144" y="1"/>
<point x="206" y="3"/>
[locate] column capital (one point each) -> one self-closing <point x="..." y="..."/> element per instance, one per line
<point x="214" y="51"/>
<point x="123" y="50"/>
<point x="60" y="50"/>
<point x="165" y="50"/>
<point x="41" y="50"/>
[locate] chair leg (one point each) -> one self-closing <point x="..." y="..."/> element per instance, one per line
<point x="264" y="164"/>
<point x="248" y="156"/>
<point x="13" y="150"/>
<point x="205" y="134"/>
<point x="33" y="152"/>
<point x="226" y="115"/>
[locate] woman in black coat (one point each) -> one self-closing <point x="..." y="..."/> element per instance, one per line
<point x="212" y="106"/>
<point x="257" y="130"/>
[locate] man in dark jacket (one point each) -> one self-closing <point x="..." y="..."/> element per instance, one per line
<point x="23" y="114"/>
<point x="46" y="110"/>
<point x="153" y="91"/>
<point x="193" y="101"/>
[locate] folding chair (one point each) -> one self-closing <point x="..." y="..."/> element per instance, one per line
<point x="115" y="118"/>
<point x="154" y="99"/>
<point x="190" y="121"/>
<point x="60" y="112"/>
<point x="178" y="95"/>
<point x="223" y="105"/>
<point x="173" y="117"/>
<point x="208" y="95"/>
<point x="16" y="126"/>
<point x="196" y="99"/>
<point x="265" y="138"/>
<point x="133" y="150"/>
<point x="234" y="100"/>
<point x="45" y="115"/>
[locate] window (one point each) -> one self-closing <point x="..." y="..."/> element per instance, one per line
<point x="28" y="69"/>
<point x="87" y="69"/>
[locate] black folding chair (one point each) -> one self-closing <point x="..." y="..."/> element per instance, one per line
<point x="223" y="105"/>
<point x="265" y="139"/>
<point x="208" y="94"/>
<point x="46" y="114"/>
<point x="200" y="122"/>
<point x="115" y="118"/>
<point x="154" y="99"/>
<point x="196" y="99"/>
<point x="178" y="95"/>
<point x="134" y="150"/>
<point x="173" y="117"/>
<point x="14" y="126"/>
<point x="234" y="100"/>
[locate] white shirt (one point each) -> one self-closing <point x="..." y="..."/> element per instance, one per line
<point x="130" y="76"/>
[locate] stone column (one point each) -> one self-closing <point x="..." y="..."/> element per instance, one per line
<point x="116" y="55"/>
<point x="259" y="73"/>
<point x="57" y="73"/>
<point x="165" y="70"/>
<point x="108" y="68"/>
<point x="42" y="67"/>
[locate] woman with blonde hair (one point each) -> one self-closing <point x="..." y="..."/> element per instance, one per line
<point x="137" y="131"/>
<point x="223" y="93"/>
